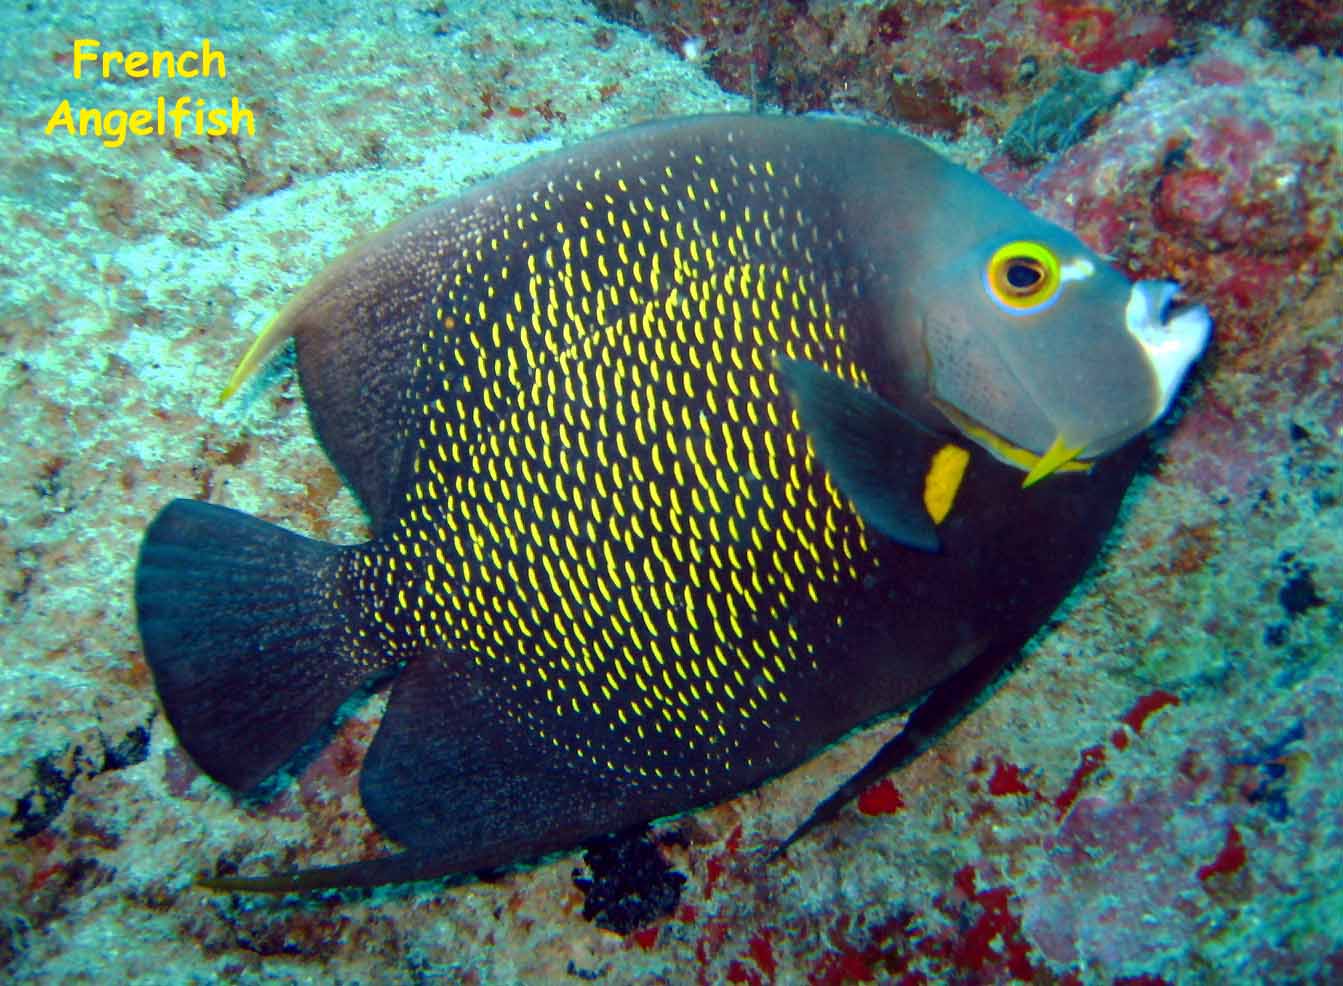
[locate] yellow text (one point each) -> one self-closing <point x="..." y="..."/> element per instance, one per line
<point x="149" y="64"/>
<point x="181" y="117"/>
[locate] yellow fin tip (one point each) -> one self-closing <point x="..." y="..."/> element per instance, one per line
<point x="1058" y="455"/>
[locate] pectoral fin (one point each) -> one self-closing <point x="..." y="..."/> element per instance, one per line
<point x="877" y="456"/>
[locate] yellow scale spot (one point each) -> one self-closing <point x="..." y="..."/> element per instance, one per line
<point x="719" y="449"/>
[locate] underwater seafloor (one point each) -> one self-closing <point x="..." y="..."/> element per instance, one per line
<point x="1151" y="796"/>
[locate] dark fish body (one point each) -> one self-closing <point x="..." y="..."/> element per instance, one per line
<point x="663" y="495"/>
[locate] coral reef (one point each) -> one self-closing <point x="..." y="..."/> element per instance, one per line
<point x="1148" y="797"/>
<point x="940" y="67"/>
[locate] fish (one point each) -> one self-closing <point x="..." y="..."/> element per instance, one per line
<point x="686" y="449"/>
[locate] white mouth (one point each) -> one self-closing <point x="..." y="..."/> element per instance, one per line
<point x="1172" y="340"/>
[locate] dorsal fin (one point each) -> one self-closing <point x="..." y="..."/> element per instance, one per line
<point x="352" y="327"/>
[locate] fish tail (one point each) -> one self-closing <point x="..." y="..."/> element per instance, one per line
<point x="244" y="629"/>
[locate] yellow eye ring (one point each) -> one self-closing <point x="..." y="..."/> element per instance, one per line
<point x="1022" y="277"/>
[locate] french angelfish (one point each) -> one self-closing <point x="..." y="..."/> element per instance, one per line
<point x="686" y="450"/>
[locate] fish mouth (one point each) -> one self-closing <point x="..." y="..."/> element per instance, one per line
<point x="1171" y="336"/>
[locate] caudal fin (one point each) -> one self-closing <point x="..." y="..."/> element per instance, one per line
<point x="243" y="626"/>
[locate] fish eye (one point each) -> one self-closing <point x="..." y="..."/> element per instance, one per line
<point x="1022" y="277"/>
<point x="1023" y="274"/>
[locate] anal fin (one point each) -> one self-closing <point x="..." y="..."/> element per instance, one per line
<point x="403" y="867"/>
<point x="463" y="786"/>
<point x="452" y="774"/>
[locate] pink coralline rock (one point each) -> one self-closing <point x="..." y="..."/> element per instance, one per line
<point x="1224" y="174"/>
<point x="1132" y="878"/>
<point x="1113" y="855"/>
<point x="1219" y="172"/>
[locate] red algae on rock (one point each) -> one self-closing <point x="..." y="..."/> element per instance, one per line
<point x="881" y="798"/>
<point x="1006" y="779"/>
<point x="1146" y="706"/>
<point x="1230" y="858"/>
